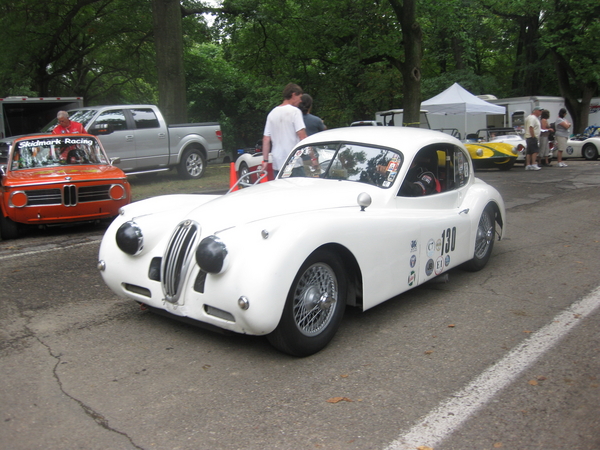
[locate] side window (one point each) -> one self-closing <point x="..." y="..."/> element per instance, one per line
<point x="461" y="169"/>
<point x="115" y="117"/>
<point x="144" y="118"/>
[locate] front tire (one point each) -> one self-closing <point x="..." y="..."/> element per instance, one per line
<point x="590" y="152"/>
<point x="314" y="306"/>
<point x="243" y="171"/>
<point x="484" y="240"/>
<point x="192" y="164"/>
<point x="8" y="228"/>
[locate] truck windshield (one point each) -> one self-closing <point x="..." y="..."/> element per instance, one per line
<point x="83" y="116"/>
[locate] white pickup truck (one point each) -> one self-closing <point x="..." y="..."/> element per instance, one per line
<point x="140" y="137"/>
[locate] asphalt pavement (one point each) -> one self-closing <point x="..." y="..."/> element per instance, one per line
<point x="508" y="357"/>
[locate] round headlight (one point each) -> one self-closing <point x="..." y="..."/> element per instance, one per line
<point x="211" y="255"/>
<point x="479" y="152"/>
<point x="130" y="239"/>
<point x="117" y="192"/>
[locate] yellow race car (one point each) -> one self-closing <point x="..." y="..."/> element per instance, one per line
<point x="491" y="155"/>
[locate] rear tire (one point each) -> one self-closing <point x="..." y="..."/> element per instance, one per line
<point x="484" y="240"/>
<point x="590" y="152"/>
<point x="314" y="306"/>
<point x="192" y="164"/>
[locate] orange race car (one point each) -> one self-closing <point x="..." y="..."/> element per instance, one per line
<point x="52" y="179"/>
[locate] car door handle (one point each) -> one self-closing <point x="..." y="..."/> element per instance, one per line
<point x="162" y="135"/>
<point x="129" y="137"/>
<point x="464" y="211"/>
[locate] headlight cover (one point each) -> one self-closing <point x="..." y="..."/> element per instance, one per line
<point x="211" y="255"/>
<point x="130" y="239"/>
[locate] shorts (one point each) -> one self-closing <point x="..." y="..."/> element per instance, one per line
<point x="561" y="143"/>
<point x="532" y="146"/>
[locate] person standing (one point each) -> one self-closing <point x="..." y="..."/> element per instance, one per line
<point x="532" y="134"/>
<point x="546" y="129"/>
<point x="67" y="126"/>
<point x="313" y="123"/>
<point x="561" y="135"/>
<point x="284" y="128"/>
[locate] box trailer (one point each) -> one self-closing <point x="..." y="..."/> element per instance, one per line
<point x="25" y="115"/>
<point x="517" y="108"/>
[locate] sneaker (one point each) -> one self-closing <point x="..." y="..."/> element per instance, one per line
<point x="535" y="167"/>
<point x="562" y="164"/>
<point x="527" y="167"/>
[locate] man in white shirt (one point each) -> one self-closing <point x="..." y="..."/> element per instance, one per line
<point x="532" y="135"/>
<point x="284" y="128"/>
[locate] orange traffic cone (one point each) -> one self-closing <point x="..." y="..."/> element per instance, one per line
<point x="270" y="173"/>
<point x="232" y="177"/>
<point x="265" y="177"/>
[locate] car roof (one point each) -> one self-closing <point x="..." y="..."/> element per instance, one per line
<point x="406" y="139"/>
<point x="97" y="107"/>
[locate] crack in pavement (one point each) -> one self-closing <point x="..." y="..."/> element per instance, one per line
<point x="94" y="415"/>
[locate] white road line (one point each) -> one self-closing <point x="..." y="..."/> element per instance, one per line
<point x="453" y="412"/>
<point x="46" y="250"/>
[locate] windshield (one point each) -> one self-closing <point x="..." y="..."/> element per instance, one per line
<point x="345" y="161"/>
<point x="57" y="151"/>
<point x="83" y="116"/>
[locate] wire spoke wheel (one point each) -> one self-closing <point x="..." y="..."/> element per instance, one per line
<point x="485" y="235"/>
<point x="314" y="306"/>
<point x="315" y="297"/>
<point x="484" y="240"/>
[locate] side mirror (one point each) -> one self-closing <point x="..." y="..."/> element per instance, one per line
<point x="2" y="170"/>
<point x="114" y="161"/>
<point x="101" y="129"/>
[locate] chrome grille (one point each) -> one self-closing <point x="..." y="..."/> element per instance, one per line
<point x="94" y="193"/>
<point x="43" y="197"/>
<point x="70" y="195"/>
<point x="178" y="256"/>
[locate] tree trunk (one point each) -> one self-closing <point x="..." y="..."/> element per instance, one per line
<point x="168" y="38"/>
<point x="572" y="90"/>
<point x="411" y="66"/>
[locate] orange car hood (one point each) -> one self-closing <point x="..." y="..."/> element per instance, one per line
<point x="59" y="174"/>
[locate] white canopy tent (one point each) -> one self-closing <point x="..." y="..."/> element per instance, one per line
<point x="457" y="100"/>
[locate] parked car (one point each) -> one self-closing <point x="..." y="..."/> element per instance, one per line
<point x="492" y="155"/>
<point x="247" y="165"/>
<point x="53" y="179"/>
<point x="366" y="123"/>
<point x="585" y="145"/>
<point x="284" y="258"/>
<point x="140" y="137"/>
<point x="508" y="136"/>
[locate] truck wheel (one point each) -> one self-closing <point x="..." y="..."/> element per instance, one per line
<point x="192" y="164"/>
<point x="8" y="228"/>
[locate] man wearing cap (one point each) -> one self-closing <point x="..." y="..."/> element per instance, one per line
<point x="532" y="135"/>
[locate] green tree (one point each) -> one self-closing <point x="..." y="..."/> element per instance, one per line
<point x="571" y="36"/>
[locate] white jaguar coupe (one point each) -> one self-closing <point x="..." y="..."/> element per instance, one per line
<point x="357" y="216"/>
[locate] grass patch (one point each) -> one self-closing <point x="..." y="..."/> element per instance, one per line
<point x="215" y="178"/>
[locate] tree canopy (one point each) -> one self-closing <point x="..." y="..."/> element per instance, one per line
<point x="355" y="57"/>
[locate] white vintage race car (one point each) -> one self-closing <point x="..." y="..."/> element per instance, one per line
<point x="343" y="224"/>
<point x="585" y="146"/>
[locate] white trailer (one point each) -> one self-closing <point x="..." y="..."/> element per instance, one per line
<point x="517" y="108"/>
<point x="26" y="115"/>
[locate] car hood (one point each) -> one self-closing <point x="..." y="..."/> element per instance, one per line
<point x="60" y="174"/>
<point x="263" y="201"/>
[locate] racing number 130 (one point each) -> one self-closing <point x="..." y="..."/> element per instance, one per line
<point x="448" y="240"/>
